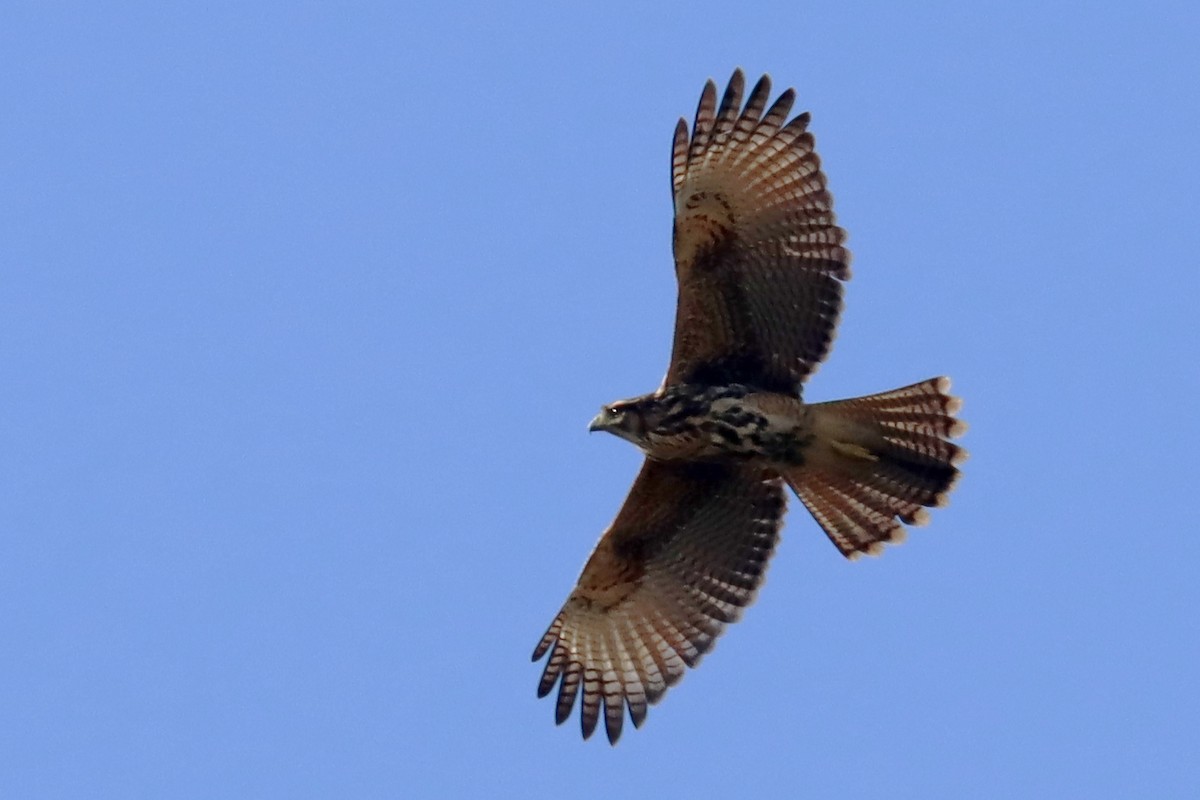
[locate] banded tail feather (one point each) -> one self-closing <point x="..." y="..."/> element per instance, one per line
<point x="879" y="461"/>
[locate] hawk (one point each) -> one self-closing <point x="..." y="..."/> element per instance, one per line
<point x="760" y="263"/>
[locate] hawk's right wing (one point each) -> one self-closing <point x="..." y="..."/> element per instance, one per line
<point x="758" y="254"/>
<point x="684" y="556"/>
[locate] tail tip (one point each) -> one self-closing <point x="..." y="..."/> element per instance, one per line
<point x="942" y="498"/>
<point x="875" y="549"/>
<point x="917" y="518"/>
<point x="951" y="406"/>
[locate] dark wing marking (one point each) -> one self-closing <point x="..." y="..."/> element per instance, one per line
<point x="684" y="556"/>
<point x="758" y="255"/>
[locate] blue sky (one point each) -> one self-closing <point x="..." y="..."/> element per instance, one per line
<point x="304" y="310"/>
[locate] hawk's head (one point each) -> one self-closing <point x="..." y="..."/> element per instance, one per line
<point x="625" y="418"/>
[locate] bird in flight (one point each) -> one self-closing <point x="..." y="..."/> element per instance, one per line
<point x="760" y="263"/>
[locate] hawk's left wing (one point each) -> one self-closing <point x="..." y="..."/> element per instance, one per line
<point x="684" y="556"/>
<point x="758" y="254"/>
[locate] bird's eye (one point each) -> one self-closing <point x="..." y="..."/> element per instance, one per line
<point x="612" y="411"/>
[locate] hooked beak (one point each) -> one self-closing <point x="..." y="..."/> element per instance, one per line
<point x="598" y="423"/>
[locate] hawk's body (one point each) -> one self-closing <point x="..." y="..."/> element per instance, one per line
<point x="693" y="422"/>
<point x="760" y="265"/>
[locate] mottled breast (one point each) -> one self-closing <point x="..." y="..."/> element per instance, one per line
<point x="732" y="421"/>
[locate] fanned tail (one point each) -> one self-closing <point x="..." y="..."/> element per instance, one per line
<point x="878" y="461"/>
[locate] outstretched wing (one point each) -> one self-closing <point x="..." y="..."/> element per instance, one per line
<point x="758" y="256"/>
<point x="684" y="556"/>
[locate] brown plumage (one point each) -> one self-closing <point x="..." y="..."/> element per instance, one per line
<point x="760" y="263"/>
<point x="758" y="256"/>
